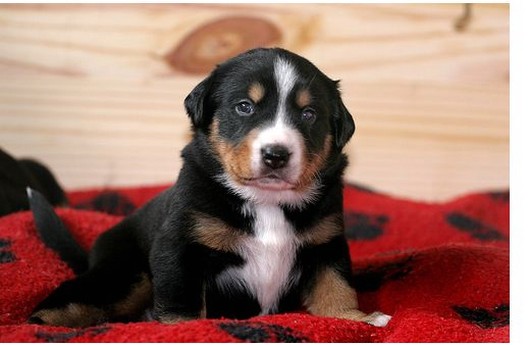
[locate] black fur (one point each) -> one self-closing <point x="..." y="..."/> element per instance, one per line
<point x="158" y="240"/>
<point x="17" y="174"/>
<point x="53" y="232"/>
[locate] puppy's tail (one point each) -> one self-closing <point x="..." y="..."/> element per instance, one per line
<point x="54" y="233"/>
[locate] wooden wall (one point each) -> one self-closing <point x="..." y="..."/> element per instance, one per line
<point x="96" y="91"/>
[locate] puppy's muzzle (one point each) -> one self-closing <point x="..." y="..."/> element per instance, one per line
<point x="275" y="156"/>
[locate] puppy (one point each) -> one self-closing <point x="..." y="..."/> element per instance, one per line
<point x="16" y="174"/>
<point x="252" y="226"/>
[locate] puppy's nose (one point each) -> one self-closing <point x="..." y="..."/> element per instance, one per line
<point x="275" y="156"/>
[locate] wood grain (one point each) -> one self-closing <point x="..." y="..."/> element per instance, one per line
<point x="89" y="90"/>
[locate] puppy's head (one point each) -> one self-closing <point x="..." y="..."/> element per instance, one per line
<point x="274" y="121"/>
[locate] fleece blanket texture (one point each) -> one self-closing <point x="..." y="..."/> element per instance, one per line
<point x="440" y="269"/>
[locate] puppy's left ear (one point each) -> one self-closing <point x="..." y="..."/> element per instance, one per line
<point x="344" y="125"/>
<point x="197" y="103"/>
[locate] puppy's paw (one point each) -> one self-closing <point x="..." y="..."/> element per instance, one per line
<point x="72" y="315"/>
<point x="377" y="319"/>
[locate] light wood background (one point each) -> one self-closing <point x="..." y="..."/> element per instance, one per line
<point x="96" y="91"/>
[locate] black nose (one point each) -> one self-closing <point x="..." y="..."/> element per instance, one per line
<point x="275" y="156"/>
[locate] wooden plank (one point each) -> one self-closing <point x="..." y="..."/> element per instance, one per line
<point x="94" y="90"/>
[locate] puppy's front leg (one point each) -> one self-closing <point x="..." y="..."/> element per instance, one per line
<point x="331" y="295"/>
<point x="178" y="283"/>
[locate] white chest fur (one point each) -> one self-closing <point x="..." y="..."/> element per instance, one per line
<point x="269" y="258"/>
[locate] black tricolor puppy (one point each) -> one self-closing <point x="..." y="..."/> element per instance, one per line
<point x="254" y="223"/>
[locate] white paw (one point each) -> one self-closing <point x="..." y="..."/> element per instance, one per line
<point x="378" y="319"/>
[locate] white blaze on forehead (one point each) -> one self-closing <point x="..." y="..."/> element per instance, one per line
<point x="286" y="77"/>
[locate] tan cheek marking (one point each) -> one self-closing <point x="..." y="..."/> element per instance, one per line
<point x="73" y="315"/>
<point x="256" y="92"/>
<point x="313" y="163"/>
<point x="236" y="160"/>
<point x="304" y="98"/>
<point x="331" y="295"/>
<point x="215" y="233"/>
<point x="325" y="230"/>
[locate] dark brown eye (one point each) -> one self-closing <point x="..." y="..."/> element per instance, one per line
<point x="245" y="108"/>
<point x="308" y="115"/>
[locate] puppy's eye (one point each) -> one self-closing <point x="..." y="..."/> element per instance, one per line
<point x="308" y="115"/>
<point x="245" y="108"/>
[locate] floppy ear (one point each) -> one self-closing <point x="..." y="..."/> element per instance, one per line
<point x="344" y="125"/>
<point x="196" y="103"/>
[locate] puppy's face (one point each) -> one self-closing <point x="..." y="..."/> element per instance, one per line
<point x="274" y="121"/>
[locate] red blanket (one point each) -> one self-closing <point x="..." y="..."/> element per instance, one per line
<point x="440" y="269"/>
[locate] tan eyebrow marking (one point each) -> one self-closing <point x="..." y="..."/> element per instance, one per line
<point x="304" y="98"/>
<point x="256" y="92"/>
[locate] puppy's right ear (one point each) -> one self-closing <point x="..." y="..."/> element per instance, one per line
<point x="197" y="103"/>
